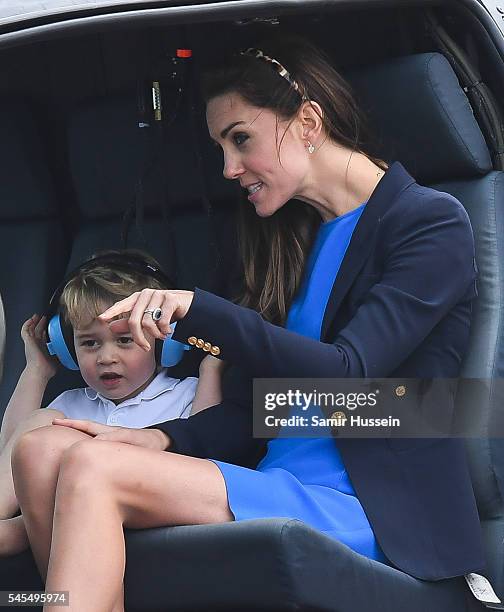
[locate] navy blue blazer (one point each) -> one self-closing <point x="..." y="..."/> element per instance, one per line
<point x="400" y="307"/>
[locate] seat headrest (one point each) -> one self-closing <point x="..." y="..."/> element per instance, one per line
<point x="422" y="117"/>
<point x="108" y="152"/>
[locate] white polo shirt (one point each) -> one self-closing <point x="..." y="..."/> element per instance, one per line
<point x="164" y="399"/>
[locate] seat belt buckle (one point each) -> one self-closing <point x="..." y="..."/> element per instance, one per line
<point x="483" y="591"/>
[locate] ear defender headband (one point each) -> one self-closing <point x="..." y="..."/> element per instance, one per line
<point x="61" y="338"/>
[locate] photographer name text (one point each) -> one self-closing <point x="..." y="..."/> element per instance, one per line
<point x="339" y="421"/>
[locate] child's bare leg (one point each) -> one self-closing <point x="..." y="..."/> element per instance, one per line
<point x="119" y="604"/>
<point x="36" y="462"/>
<point x="103" y="486"/>
<point x="13" y="538"/>
<point x="8" y="501"/>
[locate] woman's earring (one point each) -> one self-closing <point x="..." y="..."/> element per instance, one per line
<point x="310" y="147"/>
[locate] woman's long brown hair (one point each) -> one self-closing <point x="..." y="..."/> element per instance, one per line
<point x="274" y="250"/>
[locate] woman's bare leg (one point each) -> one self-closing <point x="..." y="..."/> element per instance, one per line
<point x="36" y="462"/>
<point x="105" y="486"/>
<point x="13" y="538"/>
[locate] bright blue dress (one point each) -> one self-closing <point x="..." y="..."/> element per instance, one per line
<point x="305" y="478"/>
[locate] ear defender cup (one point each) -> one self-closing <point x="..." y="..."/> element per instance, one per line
<point x="61" y="343"/>
<point x="172" y="351"/>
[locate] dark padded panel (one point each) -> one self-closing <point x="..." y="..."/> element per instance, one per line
<point x="108" y="151"/>
<point x="106" y="234"/>
<point x="189" y="238"/>
<point x="34" y="256"/>
<point x="423" y="118"/>
<point x="26" y="189"/>
<point x="33" y="245"/>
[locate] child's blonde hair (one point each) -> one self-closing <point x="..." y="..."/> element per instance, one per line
<point x="97" y="286"/>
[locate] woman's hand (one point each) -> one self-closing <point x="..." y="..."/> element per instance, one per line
<point x="154" y="439"/>
<point x="174" y="305"/>
<point x="38" y="360"/>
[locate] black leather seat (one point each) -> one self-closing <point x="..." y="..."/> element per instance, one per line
<point x="426" y="121"/>
<point x="281" y="564"/>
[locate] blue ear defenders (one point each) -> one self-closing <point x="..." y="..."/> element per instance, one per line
<point x="61" y="342"/>
<point x="57" y="344"/>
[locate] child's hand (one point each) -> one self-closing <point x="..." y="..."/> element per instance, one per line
<point x="34" y="336"/>
<point x="212" y="364"/>
<point x="209" y="389"/>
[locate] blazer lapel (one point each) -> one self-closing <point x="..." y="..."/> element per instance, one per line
<point x="361" y="244"/>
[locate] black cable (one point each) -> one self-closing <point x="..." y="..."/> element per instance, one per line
<point x="152" y="152"/>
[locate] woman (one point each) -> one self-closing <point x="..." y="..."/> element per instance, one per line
<point x="372" y="276"/>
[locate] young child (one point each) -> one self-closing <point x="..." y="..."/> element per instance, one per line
<point x="126" y="387"/>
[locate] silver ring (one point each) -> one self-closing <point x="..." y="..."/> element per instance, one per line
<point x="155" y="313"/>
